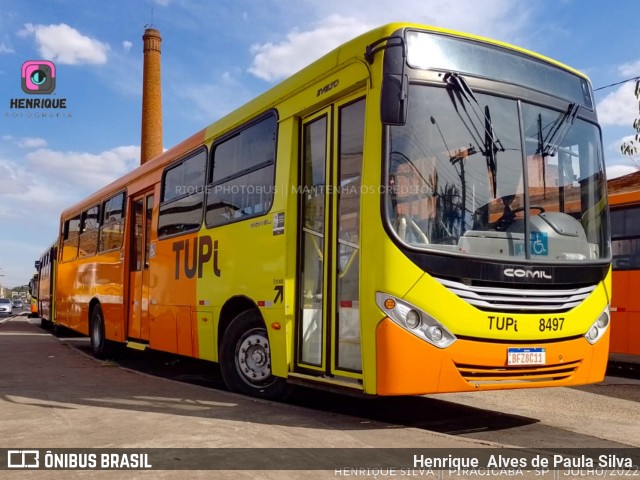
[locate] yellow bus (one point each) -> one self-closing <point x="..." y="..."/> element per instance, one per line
<point x="418" y="211"/>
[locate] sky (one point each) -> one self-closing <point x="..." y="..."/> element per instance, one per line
<point x="219" y="54"/>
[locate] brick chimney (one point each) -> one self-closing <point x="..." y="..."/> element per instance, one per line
<point x="151" y="141"/>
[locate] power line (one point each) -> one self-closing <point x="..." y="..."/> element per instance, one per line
<point x="617" y="83"/>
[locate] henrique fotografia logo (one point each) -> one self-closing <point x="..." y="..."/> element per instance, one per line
<point x="38" y="77"/>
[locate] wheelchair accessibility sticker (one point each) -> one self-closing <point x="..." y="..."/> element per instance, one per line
<point x="538" y="243"/>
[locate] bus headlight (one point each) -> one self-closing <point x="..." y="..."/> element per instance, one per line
<point x="436" y="334"/>
<point x="414" y="320"/>
<point x="597" y="329"/>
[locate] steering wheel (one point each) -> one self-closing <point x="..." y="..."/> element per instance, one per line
<point x="507" y="219"/>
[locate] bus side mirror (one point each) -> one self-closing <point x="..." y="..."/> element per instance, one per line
<point x="394" y="99"/>
<point x="37" y="264"/>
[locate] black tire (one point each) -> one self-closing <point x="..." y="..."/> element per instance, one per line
<point x="245" y="359"/>
<point x="100" y="346"/>
<point x="56" y="329"/>
<point x="46" y="324"/>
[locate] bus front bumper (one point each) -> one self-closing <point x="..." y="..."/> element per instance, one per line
<point x="407" y="365"/>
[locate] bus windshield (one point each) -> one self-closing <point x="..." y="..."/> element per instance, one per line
<point x="461" y="176"/>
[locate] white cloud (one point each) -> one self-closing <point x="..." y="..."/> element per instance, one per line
<point x="82" y="169"/>
<point x="500" y="19"/>
<point x="44" y="182"/>
<point x="66" y="45"/>
<point x="630" y="69"/>
<point x="32" y="142"/>
<point x="618" y="164"/>
<point x="15" y="272"/>
<point x="26" y="142"/>
<point x="504" y="20"/>
<point x="11" y="183"/>
<point x="276" y="61"/>
<point x="614" y="147"/>
<point x="627" y="139"/>
<point x="212" y="100"/>
<point x="618" y="170"/>
<point x="163" y="3"/>
<point x="127" y="45"/>
<point x="4" y="48"/>
<point x="619" y="107"/>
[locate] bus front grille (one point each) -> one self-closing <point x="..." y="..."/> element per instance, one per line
<point x="519" y="299"/>
<point x="484" y="375"/>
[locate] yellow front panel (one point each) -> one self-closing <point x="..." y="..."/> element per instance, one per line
<point x="463" y="319"/>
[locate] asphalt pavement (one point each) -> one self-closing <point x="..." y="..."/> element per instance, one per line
<point x="53" y="396"/>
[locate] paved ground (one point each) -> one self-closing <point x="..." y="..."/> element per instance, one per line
<point x="52" y="396"/>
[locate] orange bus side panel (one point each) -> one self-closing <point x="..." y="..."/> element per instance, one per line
<point x="625" y="315"/>
<point x="113" y="321"/>
<point x="633" y="291"/>
<point x="183" y="322"/>
<point x="619" y="332"/>
<point x="619" y="308"/>
<point x="633" y="329"/>
<point x="163" y="329"/>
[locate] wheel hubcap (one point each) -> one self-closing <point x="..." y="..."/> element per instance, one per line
<point x="253" y="358"/>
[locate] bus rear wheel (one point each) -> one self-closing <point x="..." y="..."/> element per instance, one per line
<point x="99" y="344"/>
<point x="245" y="359"/>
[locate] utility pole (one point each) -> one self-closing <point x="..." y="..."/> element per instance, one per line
<point x="1" y="288"/>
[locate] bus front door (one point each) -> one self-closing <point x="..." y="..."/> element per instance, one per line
<point x="328" y="320"/>
<point x="138" y="327"/>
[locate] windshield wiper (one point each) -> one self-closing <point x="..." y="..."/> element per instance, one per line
<point x="548" y="146"/>
<point x="490" y="144"/>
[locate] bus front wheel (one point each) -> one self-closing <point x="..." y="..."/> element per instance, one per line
<point x="99" y="343"/>
<point x="245" y="359"/>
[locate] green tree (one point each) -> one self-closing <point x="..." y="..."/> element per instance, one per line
<point x="632" y="147"/>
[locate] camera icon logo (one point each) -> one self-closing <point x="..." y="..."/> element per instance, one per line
<point x="38" y="77"/>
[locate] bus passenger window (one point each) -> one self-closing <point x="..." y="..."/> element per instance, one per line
<point x="70" y="239"/>
<point x="112" y="228"/>
<point x="89" y="236"/>
<point x="242" y="179"/>
<point x="182" y="196"/>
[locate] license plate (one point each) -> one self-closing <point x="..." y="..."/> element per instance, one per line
<point x="526" y="356"/>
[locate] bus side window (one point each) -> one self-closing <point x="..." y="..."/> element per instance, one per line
<point x="70" y="239"/>
<point x="112" y="225"/>
<point x="242" y="177"/>
<point x="182" y="195"/>
<point x="89" y="232"/>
